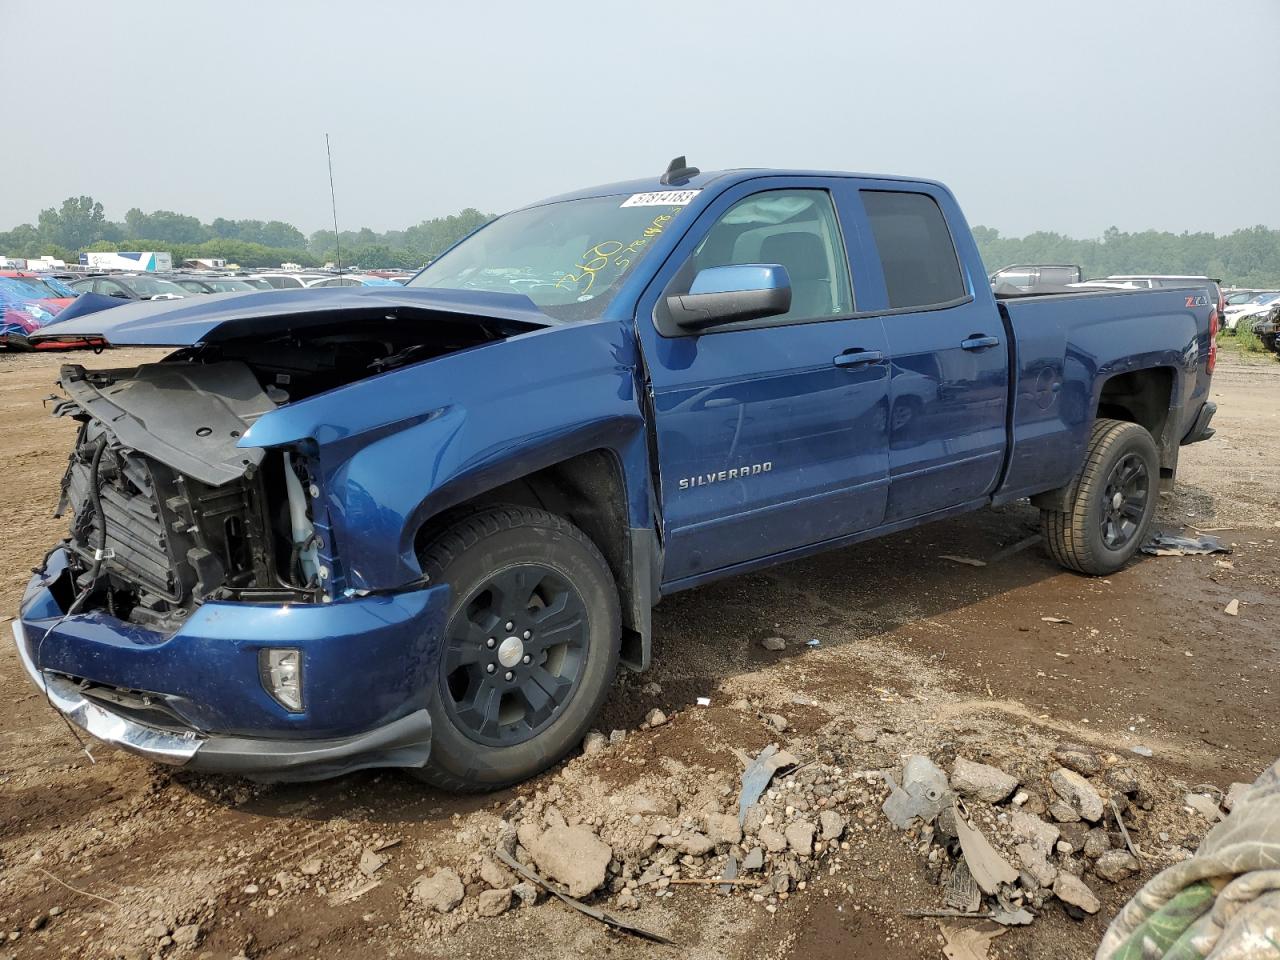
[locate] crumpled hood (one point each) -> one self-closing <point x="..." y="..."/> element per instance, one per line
<point x="224" y="316"/>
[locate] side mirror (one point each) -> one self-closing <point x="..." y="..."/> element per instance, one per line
<point x="722" y="295"/>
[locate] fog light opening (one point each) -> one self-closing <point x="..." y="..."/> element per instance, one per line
<point x="281" y="671"/>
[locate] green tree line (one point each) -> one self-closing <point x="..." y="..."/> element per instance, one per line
<point x="1247" y="257"/>
<point x="1244" y="258"/>
<point x="80" y="224"/>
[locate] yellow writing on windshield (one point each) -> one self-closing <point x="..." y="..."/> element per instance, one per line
<point x="612" y="253"/>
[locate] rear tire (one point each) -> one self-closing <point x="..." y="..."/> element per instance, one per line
<point x="1110" y="502"/>
<point x="529" y="650"/>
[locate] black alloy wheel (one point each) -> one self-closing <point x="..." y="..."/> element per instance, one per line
<point x="1124" y="501"/>
<point x="514" y="654"/>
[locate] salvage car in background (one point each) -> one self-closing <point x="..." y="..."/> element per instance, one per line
<point x="28" y="302"/>
<point x="211" y="284"/>
<point x="130" y="286"/>
<point x="354" y="280"/>
<point x="422" y="526"/>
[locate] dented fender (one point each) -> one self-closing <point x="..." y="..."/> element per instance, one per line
<point x="393" y="450"/>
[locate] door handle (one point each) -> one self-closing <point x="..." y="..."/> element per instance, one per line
<point x="980" y="343"/>
<point x="857" y="357"/>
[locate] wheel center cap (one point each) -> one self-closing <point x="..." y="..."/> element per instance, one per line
<point x="1117" y="500"/>
<point x="510" y="651"/>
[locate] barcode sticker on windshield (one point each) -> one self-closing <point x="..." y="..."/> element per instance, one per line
<point x="664" y="198"/>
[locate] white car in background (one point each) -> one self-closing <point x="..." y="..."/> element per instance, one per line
<point x="354" y="280"/>
<point x="1258" y="306"/>
<point x="288" y="281"/>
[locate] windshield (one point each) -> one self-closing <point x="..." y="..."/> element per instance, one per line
<point x="1266" y="298"/>
<point x="567" y="257"/>
<point x="154" y="287"/>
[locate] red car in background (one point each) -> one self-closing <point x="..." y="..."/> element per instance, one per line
<point x="29" y="301"/>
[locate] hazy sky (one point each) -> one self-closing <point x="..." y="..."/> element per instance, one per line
<point x="1069" y="116"/>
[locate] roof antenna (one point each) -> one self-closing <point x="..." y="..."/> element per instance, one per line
<point x="678" y="173"/>
<point x="333" y="202"/>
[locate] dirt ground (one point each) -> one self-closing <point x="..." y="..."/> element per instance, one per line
<point x="105" y="859"/>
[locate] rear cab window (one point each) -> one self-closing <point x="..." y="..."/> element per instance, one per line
<point x="917" y="254"/>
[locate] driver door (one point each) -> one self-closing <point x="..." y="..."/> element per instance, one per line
<point x="773" y="433"/>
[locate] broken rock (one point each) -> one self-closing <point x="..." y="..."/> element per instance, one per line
<point x="655" y="718"/>
<point x="773" y="643"/>
<point x="1079" y="758"/>
<point x="980" y="781"/>
<point x="1078" y="793"/>
<point x="723" y="828"/>
<point x="1073" y="890"/>
<point x="493" y="903"/>
<point x="574" y="856"/>
<point x="593" y="743"/>
<point x="1029" y="827"/>
<point x="1036" y="864"/>
<point x="753" y="860"/>
<point x="688" y="841"/>
<point x="832" y="825"/>
<point x="773" y="841"/>
<point x="1204" y="805"/>
<point x="442" y="891"/>
<point x="799" y="836"/>
<point x="1096" y="843"/>
<point x="496" y="875"/>
<point x="1116" y="865"/>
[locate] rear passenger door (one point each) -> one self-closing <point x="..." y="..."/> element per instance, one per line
<point x="949" y="359"/>
<point x="771" y="433"/>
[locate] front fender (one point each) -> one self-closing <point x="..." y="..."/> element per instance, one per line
<point x="396" y="449"/>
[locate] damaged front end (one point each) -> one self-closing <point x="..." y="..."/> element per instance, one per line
<point x="167" y="511"/>
<point x="196" y="612"/>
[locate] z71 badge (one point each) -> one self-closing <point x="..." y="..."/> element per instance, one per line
<point x="733" y="473"/>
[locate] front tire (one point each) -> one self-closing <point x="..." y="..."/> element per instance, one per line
<point x="1110" y="502"/>
<point x="529" y="650"/>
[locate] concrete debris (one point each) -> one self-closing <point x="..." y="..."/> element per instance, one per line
<point x="655" y="718"/>
<point x="799" y="836"/>
<point x="774" y="644"/>
<point x="1232" y="609"/>
<point x="980" y="781"/>
<point x="573" y="856"/>
<point x="831" y="824"/>
<point x="923" y="793"/>
<point x="593" y="743"/>
<point x="688" y="842"/>
<point x="442" y="891"/>
<point x="311" y="867"/>
<point x="493" y="903"/>
<point x="496" y="876"/>
<point x="1204" y="805"/>
<point x="649" y="806"/>
<point x="723" y="828"/>
<point x="527" y="893"/>
<point x="754" y="860"/>
<point x="1081" y="759"/>
<point x="1078" y="792"/>
<point x="371" y="863"/>
<point x="1027" y="826"/>
<point x="777" y="721"/>
<point x="1071" y="889"/>
<point x="1116" y="865"/>
<point x="1036" y="864"/>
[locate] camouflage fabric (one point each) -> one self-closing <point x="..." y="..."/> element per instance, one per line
<point x="1223" y="903"/>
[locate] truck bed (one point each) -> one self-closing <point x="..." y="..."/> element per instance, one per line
<point x="1067" y="345"/>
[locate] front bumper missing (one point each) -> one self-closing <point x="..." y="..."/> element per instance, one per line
<point x="402" y="743"/>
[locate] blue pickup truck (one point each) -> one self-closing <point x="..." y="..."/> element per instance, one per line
<point x="421" y="527"/>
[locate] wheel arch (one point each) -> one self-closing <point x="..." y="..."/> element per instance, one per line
<point x="593" y="489"/>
